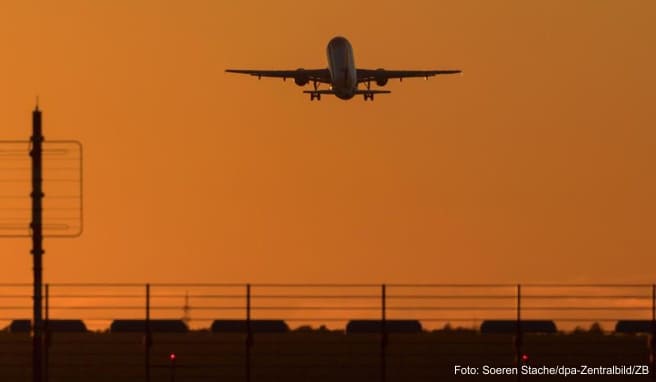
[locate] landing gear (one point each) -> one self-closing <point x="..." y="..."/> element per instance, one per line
<point x="368" y="95"/>
<point x="315" y="93"/>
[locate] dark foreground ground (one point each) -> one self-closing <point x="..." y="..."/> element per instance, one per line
<point x="316" y="356"/>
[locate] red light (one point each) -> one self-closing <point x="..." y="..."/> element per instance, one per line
<point x="524" y="357"/>
<point x="172" y="357"/>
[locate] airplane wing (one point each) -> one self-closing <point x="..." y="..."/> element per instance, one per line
<point x="301" y="76"/>
<point x="383" y="75"/>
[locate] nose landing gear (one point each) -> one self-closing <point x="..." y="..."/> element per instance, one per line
<point x="315" y="94"/>
<point x="368" y="94"/>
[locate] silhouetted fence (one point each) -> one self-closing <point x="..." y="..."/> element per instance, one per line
<point x="376" y="332"/>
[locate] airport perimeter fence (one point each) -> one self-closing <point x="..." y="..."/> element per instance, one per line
<point x="363" y="332"/>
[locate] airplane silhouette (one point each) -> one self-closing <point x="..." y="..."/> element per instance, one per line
<point x="341" y="75"/>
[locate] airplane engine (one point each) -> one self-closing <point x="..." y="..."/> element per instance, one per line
<point x="301" y="79"/>
<point x="381" y="80"/>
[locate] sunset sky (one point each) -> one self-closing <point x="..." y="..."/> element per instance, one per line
<point x="535" y="165"/>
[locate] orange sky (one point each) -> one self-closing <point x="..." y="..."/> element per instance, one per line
<point x="536" y="165"/>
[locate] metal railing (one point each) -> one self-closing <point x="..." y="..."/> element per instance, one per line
<point x="461" y="307"/>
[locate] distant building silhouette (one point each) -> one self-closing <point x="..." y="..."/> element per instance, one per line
<point x="53" y="326"/>
<point x="20" y="326"/>
<point x="633" y="326"/>
<point x="156" y="326"/>
<point x="376" y="326"/>
<point x="510" y="326"/>
<point x="257" y="326"/>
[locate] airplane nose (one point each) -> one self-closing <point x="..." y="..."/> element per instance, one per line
<point x="337" y="41"/>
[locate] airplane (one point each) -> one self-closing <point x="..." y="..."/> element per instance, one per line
<point x="342" y="75"/>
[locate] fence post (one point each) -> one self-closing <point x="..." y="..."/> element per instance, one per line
<point x="383" y="334"/>
<point x="652" y="342"/>
<point x="249" y="333"/>
<point x="46" y="329"/>
<point x="36" y="226"/>
<point x="518" y="332"/>
<point x="147" y="335"/>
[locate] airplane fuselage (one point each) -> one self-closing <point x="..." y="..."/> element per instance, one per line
<point x="341" y="65"/>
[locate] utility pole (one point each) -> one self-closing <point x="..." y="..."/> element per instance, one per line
<point x="186" y="309"/>
<point x="37" y="243"/>
<point x="31" y="224"/>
